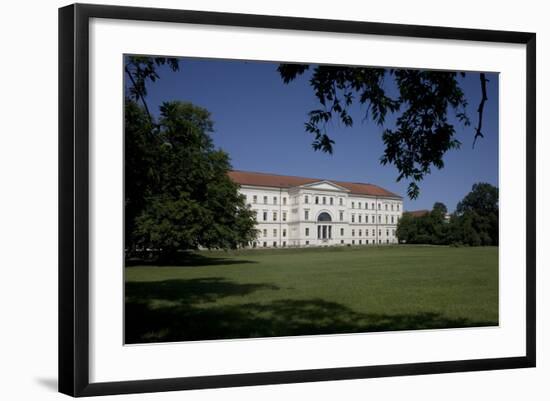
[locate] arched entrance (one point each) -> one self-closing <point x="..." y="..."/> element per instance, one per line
<point x="324" y="230"/>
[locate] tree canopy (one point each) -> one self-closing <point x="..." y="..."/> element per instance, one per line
<point x="474" y="223"/>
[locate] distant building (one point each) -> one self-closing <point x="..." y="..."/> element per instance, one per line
<point x="298" y="211"/>
<point x="424" y="212"/>
<point x="418" y="213"/>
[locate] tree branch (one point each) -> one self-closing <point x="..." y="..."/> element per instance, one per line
<point x="484" y="98"/>
<point x="140" y="95"/>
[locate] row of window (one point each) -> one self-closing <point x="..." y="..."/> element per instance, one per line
<point x="388" y="219"/>
<point x="264" y="244"/>
<point x="322" y="200"/>
<point x="274" y="216"/>
<point x="266" y="198"/>
<point x="342" y="232"/>
<point x="274" y="232"/>
<point x="391" y="206"/>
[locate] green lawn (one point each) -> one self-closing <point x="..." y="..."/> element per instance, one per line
<point x="285" y="292"/>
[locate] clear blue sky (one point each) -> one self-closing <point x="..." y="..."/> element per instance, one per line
<point x="259" y="121"/>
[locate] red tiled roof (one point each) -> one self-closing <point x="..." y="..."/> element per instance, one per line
<point x="418" y="213"/>
<point x="286" y="181"/>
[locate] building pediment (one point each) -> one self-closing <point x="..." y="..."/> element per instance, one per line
<point x="325" y="186"/>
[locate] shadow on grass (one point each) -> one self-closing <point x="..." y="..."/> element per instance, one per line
<point x="186" y="316"/>
<point x="185" y="259"/>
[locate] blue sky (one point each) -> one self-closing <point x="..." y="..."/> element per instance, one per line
<point x="259" y="121"/>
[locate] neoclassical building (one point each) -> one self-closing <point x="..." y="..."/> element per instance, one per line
<point x="297" y="211"/>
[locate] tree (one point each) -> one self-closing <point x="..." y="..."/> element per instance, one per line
<point x="140" y="146"/>
<point x="480" y="209"/>
<point x="184" y="196"/>
<point x="423" y="133"/>
<point x="482" y="199"/>
<point x="178" y="194"/>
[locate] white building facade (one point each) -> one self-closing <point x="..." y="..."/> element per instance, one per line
<point x="302" y="212"/>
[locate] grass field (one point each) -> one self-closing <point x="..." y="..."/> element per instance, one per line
<point x="285" y="292"/>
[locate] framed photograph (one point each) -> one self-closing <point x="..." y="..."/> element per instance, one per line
<point x="252" y="199"/>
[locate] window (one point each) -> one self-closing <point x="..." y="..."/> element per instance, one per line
<point x="284" y="216"/>
<point x="366" y="206"/>
<point x="352" y="242"/>
<point x="397" y="207"/>
<point x="306" y="214"/>
<point x="265" y="216"/>
<point x="373" y="233"/>
<point x="255" y="199"/>
<point x="359" y="205"/>
<point x="360" y="242"/>
<point x="386" y="205"/>
<point x="274" y="200"/>
<point x="372" y="218"/>
<point x="353" y="218"/>
<point x="264" y="244"/>
<point x="341" y="241"/>
<point x="360" y="233"/>
<point x="274" y="244"/>
<point x="324" y="200"/>
<point x="379" y="219"/>
<point x="379" y="206"/>
<point x="387" y="233"/>
<point x="386" y="219"/>
<point x="306" y="199"/>
<point x="284" y="244"/>
<point x="392" y="207"/>
<point x="316" y="200"/>
<point x="392" y="219"/>
<point x="359" y="217"/>
<point x="341" y="201"/>
<point x="353" y="233"/>
<point x="265" y="233"/>
<point x="367" y="242"/>
<point x="372" y="205"/>
<point x="254" y="244"/>
<point x="387" y="241"/>
<point x="284" y="232"/>
<point x="265" y="200"/>
<point x="284" y="201"/>
<point x="341" y="216"/>
<point x="342" y="232"/>
<point x="274" y="232"/>
<point x="307" y="232"/>
<point x="331" y="201"/>
<point x="353" y="205"/>
<point x="274" y="216"/>
<point x="379" y="233"/>
<point x="307" y="242"/>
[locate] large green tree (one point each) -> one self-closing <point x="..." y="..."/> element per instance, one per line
<point x="192" y="201"/>
<point x="474" y="223"/>
<point x="178" y="195"/>
<point x="423" y="132"/>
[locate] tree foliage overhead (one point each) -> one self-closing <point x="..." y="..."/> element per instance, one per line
<point x="143" y="69"/>
<point x="422" y="134"/>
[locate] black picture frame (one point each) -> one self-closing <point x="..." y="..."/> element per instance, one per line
<point x="74" y="198"/>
